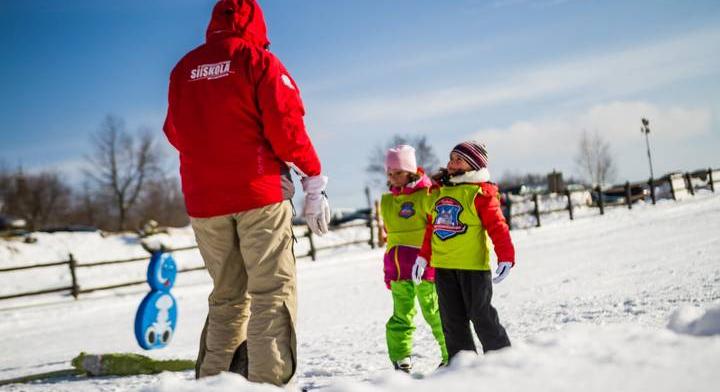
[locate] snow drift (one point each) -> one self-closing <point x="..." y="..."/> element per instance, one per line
<point x="692" y="320"/>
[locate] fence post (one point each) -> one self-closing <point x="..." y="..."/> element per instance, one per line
<point x="508" y="202"/>
<point x="628" y="195"/>
<point x="601" y="200"/>
<point x="688" y="180"/>
<point x="672" y="187"/>
<point x="710" y="180"/>
<point x="75" y="290"/>
<point x="537" y="210"/>
<point x="371" y="242"/>
<point x="378" y="223"/>
<point x="312" y="245"/>
<point x="651" y="184"/>
<point x="570" y="205"/>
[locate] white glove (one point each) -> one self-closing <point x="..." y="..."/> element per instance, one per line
<point x="418" y="269"/>
<point x="503" y="270"/>
<point x="317" y="209"/>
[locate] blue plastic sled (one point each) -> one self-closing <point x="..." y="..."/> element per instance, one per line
<point x="156" y="317"/>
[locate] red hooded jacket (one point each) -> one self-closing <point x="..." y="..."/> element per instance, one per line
<point x="236" y="118"/>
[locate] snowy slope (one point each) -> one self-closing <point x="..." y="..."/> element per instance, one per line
<point x="587" y="308"/>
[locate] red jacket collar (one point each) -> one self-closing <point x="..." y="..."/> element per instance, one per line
<point x="423" y="183"/>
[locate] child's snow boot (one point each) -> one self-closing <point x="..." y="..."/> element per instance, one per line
<point x="403" y="365"/>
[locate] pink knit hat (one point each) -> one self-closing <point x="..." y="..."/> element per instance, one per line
<point x="401" y="157"/>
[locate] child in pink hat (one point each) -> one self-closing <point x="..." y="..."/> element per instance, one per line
<point x="405" y="226"/>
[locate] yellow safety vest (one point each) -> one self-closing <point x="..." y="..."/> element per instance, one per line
<point x="459" y="239"/>
<point x="403" y="217"/>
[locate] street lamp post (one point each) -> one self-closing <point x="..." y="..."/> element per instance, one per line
<point x="646" y="130"/>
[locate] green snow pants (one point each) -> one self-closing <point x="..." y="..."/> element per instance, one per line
<point x="400" y="327"/>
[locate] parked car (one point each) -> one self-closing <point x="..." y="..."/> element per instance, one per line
<point x="340" y="216"/>
<point x="616" y="194"/>
<point x="13" y="228"/>
<point x="576" y="187"/>
<point x="343" y="216"/>
<point x="515" y="190"/>
<point x="8" y="223"/>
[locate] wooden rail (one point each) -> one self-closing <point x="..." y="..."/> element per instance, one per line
<point x="647" y="188"/>
<point x="374" y="223"/>
<point x="76" y="290"/>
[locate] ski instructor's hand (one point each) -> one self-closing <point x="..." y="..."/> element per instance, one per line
<point x="418" y="269"/>
<point x="317" y="209"/>
<point x="503" y="270"/>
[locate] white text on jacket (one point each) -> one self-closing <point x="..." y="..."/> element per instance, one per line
<point x="211" y="71"/>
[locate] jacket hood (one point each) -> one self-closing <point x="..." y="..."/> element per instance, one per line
<point x="238" y="18"/>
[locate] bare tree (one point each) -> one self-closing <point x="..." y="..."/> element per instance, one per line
<point x="40" y="199"/>
<point x="121" y="165"/>
<point x="424" y="154"/>
<point x="4" y="185"/>
<point x="47" y="199"/>
<point x="594" y="159"/>
<point x="163" y="202"/>
<point x="89" y="207"/>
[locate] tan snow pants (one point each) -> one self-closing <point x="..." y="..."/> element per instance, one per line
<point x="250" y="328"/>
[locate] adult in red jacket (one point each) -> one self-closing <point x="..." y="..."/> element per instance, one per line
<point x="236" y="118"/>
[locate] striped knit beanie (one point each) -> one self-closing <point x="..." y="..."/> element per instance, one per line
<point x="474" y="153"/>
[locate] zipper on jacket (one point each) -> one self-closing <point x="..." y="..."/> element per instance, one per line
<point x="397" y="263"/>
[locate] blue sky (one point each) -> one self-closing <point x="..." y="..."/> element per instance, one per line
<point x="526" y="77"/>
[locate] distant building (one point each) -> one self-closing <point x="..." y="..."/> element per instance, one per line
<point x="555" y="182"/>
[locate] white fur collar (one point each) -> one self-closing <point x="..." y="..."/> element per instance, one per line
<point x="475" y="176"/>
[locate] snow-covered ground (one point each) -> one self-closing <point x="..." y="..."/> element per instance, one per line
<point x="627" y="301"/>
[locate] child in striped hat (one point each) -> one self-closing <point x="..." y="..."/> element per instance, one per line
<point x="465" y="215"/>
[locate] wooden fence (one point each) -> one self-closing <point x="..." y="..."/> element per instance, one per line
<point x="679" y="186"/>
<point x="75" y="289"/>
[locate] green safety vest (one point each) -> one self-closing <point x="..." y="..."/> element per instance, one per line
<point x="404" y="220"/>
<point x="459" y="240"/>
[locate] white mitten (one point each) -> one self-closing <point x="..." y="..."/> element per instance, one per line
<point x="503" y="270"/>
<point x="418" y="269"/>
<point x="317" y="209"/>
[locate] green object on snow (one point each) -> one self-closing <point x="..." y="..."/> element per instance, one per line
<point x="127" y="364"/>
<point x="41" y="376"/>
<point x="114" y="364"/>
<point x="400" y="327"/>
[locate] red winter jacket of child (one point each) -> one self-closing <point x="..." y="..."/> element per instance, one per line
<point x="236" y="118"/>
<point x="487" y="204"/>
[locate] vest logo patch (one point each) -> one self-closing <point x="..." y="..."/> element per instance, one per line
<point x="211" y="71"/>
<point x="407" y="210"/>
<point x="447" y="223"/>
